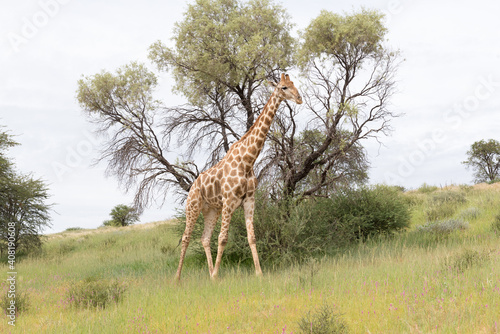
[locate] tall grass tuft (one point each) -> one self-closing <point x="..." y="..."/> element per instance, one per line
<point x="323" y="321"/>
<point x="466" y="259"/>
<point x="470" y="213"/>
<point x="495" y="226"/>
<point x="95" y="293"/>
<point x="22" y="302"/>
<point x="444" y="204"/>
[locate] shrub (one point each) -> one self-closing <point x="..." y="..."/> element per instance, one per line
<point x="289" y="232"/>
<point x="444" y="227"/>
<point x="323" y="321"/>
<point x="466" y="259"/>
<point x="70" y="229"/>
<point x="97" y="293"/>
<point x="470" y="213"/>
<point x="369" y="211"/>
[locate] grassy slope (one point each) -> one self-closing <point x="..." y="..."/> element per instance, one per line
<point x="401" y="285"/>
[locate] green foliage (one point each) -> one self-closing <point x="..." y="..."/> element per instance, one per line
<point x="226" y="44"/>
<point x="484" y="159"/>
<point x="129" y="90"/>
<point x="72" y="229"/>
<point x="323" y="321"/>
<point x="122" y="215"/>
<point x="344" y="39"/>
<point x="95" y="293"/>
<point x="370" y="210"/>
<point x="293" y="232"/>
<point x="23" y="209"/>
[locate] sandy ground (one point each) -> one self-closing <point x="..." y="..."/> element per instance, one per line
<point x="82" y="232"/>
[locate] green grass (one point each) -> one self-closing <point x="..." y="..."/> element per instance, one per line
<point x="413" y="282"/>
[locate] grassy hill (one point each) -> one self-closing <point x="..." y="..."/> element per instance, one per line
<point x="442" y="277"/>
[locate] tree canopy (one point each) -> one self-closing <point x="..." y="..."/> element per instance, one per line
<point x="24" y="212"/>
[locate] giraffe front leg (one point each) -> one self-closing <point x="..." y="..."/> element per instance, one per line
<point x="193" y="208"/>
<point x="227" y="212"/>
<point x="248" y="207"/>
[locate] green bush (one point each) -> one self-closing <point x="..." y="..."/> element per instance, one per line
<point x="369" y="211"/>
<point x="96" y="293"/>
<point x="323" y="321"/>
<point x="290" y="232"/>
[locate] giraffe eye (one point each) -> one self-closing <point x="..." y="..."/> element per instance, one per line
<point x="284" y="88"/>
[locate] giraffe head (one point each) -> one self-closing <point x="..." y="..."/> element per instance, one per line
<point x="287" y="90"/>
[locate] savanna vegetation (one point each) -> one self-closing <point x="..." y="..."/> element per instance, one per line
<point x="439" y="272"/>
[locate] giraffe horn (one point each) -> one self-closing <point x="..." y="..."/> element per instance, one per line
<point x="287" y="77"/>
<point x="282" y="76"/>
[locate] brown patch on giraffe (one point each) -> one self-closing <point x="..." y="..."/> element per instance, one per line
<point x="234" y="172"/>
<point x="219" y="174"/>
<point x="227" y="169"/>
<point x="234" y="164"/>
<point x="247" y="159"/>
<point x="268" y="121"/>
<point x="259" y="142"/>
<point x="210" y="191"/>
<point x="217" y="187"/>
<point x="252" y="150"/>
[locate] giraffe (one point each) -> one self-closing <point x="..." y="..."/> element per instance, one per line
<point x="231" y="183"/>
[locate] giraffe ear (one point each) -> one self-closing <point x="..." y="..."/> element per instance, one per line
<point x="274" y="84"/>
<point x="282" y="76"/>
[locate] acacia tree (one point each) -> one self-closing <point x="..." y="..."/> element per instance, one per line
<point x="348" y="79"/>
<point x="122" y="215"/>
<point x="23" y="210"/>
<point x="484" y="159"/>
<point x="224" y="52"/>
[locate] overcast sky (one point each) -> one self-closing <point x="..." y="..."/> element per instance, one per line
<point x="448" y="89"/>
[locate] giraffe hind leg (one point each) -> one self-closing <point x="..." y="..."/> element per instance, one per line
<point x="210" y="216"/>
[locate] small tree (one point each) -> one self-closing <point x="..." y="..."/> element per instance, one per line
<point x="122" y="215"/>
<point x="484" y="159"/>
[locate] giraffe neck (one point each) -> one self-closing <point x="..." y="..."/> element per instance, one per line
<point x="253" y="140"/>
